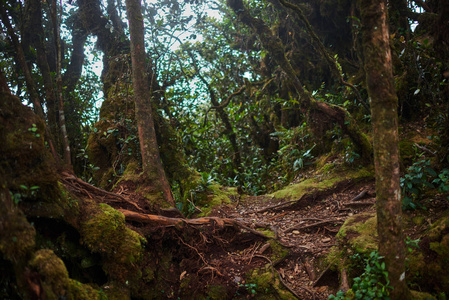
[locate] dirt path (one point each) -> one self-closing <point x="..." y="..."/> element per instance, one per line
<point x="231" y="249"/>
<point x="306" y="227"/>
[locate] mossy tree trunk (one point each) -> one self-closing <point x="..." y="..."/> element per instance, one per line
<point x="151" y="161"/>
<point x="31" y="86"/>
<point x="384" y="102"/>
<point x="33" y="36"/>
<point x="275" y="47"/>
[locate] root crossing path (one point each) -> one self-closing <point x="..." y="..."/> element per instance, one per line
<point x="255" y="245"/>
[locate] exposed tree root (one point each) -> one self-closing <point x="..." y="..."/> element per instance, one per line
<point x="81" y="186"/>
<point x="157" y="220"/>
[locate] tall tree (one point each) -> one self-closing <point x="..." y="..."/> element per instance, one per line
<point x="151" y="161"/>
<point x="275" y="47"/>
<point x="384" y="103"/>
<point x="57" y="38"/>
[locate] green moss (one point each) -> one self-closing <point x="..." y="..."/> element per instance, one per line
<point x="51" y="267"/>
<point x="55" y="280"/>
<point x="295" y="191"/>
<point x="25" y="160"/>
<point x="335" y="259"/>
<point x="264" y="283"/>
<point x="117" y="291"/>
<point x="278" y="251"/>
<point x="132" y="172"/>
<point x="442" y="248"/>
<point x="418" y="220"/>
<point x="440" y="226"/>
<point x="217" y="292"/>
<point x="406" y="149"/>
<point x="429" y="264"/>
<point x="268" y="233"/>
<point x="61" y="204"/>
<point x="104" y="231"/>
<point x="148" y="274"/>
<point x="326" y="168"/>
<point x="76" y="290"/>
<point x="422" y="296"/>
<point x="17" y="237"/>
<point x="359" y="232"/>
<point x="416" y="264"/>
<point x="216" y="195"/>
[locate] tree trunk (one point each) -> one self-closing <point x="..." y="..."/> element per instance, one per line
<point x="384" y="102"/>
<point x="276" y="49"/>
<point x="32" y="91"/>
<point x="33" y="36"/>
<point x="62" y="123"/>
<point x="151" y="161"/>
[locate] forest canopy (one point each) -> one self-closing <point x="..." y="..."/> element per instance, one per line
<point x="199" y="100"/>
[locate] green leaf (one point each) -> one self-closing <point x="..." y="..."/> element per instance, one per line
<point x="430" y="171"/>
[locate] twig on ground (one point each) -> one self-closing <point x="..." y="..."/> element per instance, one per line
<point x="424" y="149"/>
<point x="276" y="216"/>
<point x="359" y="196"/>
<point x="310" y="270"/>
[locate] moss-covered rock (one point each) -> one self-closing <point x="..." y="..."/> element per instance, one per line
<point x="55" y="281"/>
<point x="215" y="195"/>
<point x="422" y="296"/>
<point x="264" y="283"/>
<point x="320" y="182"/>
<point x="359" y="233"/>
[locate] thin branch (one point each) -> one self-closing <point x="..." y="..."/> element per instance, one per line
<point x="332" y="62"/>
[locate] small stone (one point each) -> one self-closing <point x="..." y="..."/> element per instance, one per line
<point x="326" y="240"/>
<point x="295" y="232"/>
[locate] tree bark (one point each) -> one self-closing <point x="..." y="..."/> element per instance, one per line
<point x="62" y="123"/>
<point x="384" y="102"/>
<point x="33" y="36"/>
<point x="151" y="161"/>
<point x="22" y="62"/>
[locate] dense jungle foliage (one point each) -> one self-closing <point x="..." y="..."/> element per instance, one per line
<point x="232" y="110"/>
<point x="249" y="94"/>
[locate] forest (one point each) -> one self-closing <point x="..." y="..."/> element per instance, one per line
<point x="211" y="149"/>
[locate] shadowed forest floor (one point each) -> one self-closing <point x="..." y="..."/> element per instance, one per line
<point x="281" y="240"/>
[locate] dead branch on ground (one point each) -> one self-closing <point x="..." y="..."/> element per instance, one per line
<point x="364" y="203"/>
